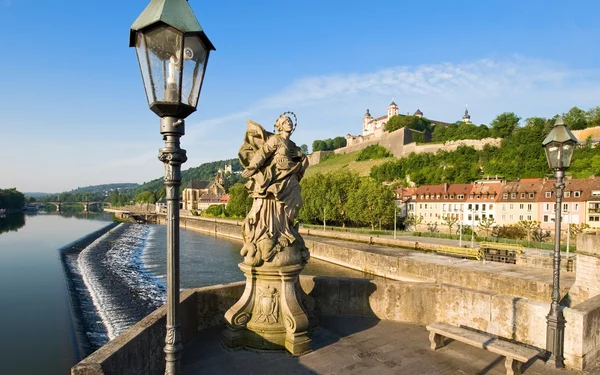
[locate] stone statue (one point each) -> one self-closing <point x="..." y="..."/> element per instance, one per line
<point x="272" y="313"/>
<point x="275" y="166"/>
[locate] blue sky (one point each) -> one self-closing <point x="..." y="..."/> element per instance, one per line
<point x="74" y="111"/>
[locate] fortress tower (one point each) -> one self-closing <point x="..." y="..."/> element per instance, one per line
<point x="392" y="110"/>
<point x="466" y="118"/>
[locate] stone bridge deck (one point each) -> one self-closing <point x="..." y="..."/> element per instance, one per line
<point x="346" y="345"/>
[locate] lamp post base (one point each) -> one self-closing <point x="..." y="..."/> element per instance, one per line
<point x="554" y="340"/>
<point x="272" y="312"/>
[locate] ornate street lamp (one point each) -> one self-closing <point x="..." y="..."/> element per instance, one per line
<point x="172" y="51"/>
<point x="559" y="146"/>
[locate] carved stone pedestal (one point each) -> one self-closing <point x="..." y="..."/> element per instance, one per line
<point x="271" y="314"/>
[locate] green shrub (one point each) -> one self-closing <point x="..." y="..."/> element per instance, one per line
<point x="373" y="152"/>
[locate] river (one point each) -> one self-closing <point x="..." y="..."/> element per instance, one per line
<point x="36" y="318"/>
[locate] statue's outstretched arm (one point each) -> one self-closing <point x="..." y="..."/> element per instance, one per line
<point x="261" y="156"/>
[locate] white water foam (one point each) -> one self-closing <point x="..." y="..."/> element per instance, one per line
<point x="123" y="265"/>
<point x="91" y="283"/>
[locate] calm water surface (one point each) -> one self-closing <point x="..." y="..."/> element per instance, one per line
<point x="37" y="335"/>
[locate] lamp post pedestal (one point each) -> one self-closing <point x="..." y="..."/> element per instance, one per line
<point x="555" y="330"/>
<point x="172" y="155"/>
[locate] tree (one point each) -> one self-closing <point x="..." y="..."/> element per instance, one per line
<point x="576" y="119"/>
<point x="342" y="183"/>
<point x="319" y="145"/>
<point x="504" y="124"/>
<point x="145" y="197"/>
<point x="432" y="227"/>
<point x="593" y="116"/>
<point x="412" y="221"/>
<point x="339" y="142"/>
<point x="240" y="201"/>
<point x="528" y="226"/>
<point x="450" y="221"/>
<point x="318" y="203"/>
<point x="487" y="223"/>
<point x="575" y="229"/>
<point x="370" y="203"/>
<point x="411" y="122"/>
<point x="304" y="149"/>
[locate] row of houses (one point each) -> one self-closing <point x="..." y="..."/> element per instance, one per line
<point x="507" y="202"/>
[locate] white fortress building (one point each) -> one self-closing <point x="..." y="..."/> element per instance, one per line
<point x="375" y="126"/>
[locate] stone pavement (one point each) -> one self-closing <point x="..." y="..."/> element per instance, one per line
<point x="345" y="345"/>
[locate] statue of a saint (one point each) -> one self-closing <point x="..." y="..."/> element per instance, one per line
<point x="275" y="166"/>
<point x="273" y="312"/>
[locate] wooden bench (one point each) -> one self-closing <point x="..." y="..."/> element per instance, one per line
<point x="515" y="354"/>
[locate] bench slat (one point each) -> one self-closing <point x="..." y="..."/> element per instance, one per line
<point x="484" y="341"/>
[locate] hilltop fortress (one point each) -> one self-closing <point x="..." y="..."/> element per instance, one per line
<point x="400" y="142"/>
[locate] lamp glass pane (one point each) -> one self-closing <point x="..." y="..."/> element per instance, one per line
<point x="142" y="55"/>
<point x="553" y="151"/>
<point x="195" y="56"/>
<point x="163" y="45"/>
<point x="567" y="153"/>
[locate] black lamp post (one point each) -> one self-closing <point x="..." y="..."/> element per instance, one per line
<point x="559" y="145"/>
<point x="172" y="51"/>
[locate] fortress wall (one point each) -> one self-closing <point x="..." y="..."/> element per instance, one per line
<point x="357" y="146"/>
<point x="315" y="157"/>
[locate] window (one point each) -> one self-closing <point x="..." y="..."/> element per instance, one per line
<point x="529" y="206"/>
<point x="531" y="195"/>
<point x="522" y="195"/>
<point x="446" y="196"/>
<point x="595" y="193"/>
<point x="547" y="207"/>
<point x="510" y="206"/>
<point x="478" y="196"/>
<point x="470" y="207"/>
<point x="471" y="196"/>
<point x="565" y="207"/>
<point x="576" y="208"/>
<point x="520" y="217"/>
<point x="576" y="194"/>
<point x="505" y="195"/>
<point x="425" y="205"/>
<point x="491" y="206"/>
<point x="461" y="196"/>
<point x="503" y="207"/>
<point x="422" y="197"/>
<point x="548" y="194"/>
<point x="437" y="197"/>
<point x="420" y="205"/>
<point x="513" y="195"/>
<point x="476" y="207"/>
<point x="503" y="217"/>
<point x="510" y="217"/>
<point x="521" y="206"/>
<point x="545" y="218"/>
<point x="567" y="194"/>
<point x="444" y="208"/>
<point x="528" y="217"/>
<point x="452" y="196"/>
<point x="469" y="217"/>
<point x="483" y="207"/>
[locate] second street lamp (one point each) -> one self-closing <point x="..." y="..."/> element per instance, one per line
<point x="172" y="51"/>
<point x="559" y="146"/>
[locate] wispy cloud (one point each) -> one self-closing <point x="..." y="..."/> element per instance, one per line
<point x="483" y="78"/>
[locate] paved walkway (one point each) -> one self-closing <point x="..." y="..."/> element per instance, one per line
<point x="354" y="346"/>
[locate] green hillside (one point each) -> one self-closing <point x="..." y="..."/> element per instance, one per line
<point x="336" y="162"/>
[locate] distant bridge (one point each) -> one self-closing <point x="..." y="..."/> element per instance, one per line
<point x="86" y="205"/>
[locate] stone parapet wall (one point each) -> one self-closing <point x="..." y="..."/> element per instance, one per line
<point x="139" y="350"/>
<point x="587" y="281"/>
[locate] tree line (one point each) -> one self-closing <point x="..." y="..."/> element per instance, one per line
<point x="328" y="144"/>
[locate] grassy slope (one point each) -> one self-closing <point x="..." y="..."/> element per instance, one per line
<point x="345" y="161"/>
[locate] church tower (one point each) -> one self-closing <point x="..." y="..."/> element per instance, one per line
<point x="466" y="118"/>
<point x="392" y="109"/>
